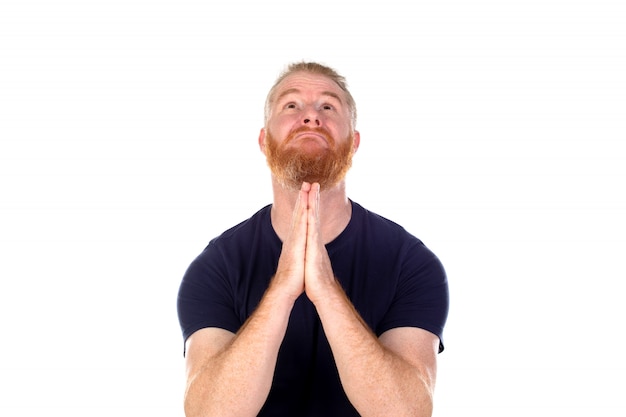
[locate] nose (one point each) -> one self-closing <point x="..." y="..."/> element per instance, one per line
<point x="315" y="121"/>
<point x="311" y="118"/>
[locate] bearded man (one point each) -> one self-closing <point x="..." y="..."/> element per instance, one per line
<point x="314" y="306"/>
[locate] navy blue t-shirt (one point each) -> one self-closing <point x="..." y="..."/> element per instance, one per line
<point x="392" y="279"/>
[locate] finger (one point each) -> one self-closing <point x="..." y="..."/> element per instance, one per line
<point x="306" y="186"/>
<point x="316" y="200"/>
<point x="300" y="208"/>
<point x="314" y="205"/>
<point x="313" y="217"/>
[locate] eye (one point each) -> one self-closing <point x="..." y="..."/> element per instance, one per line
<point x="290" y="105"/>
<point x="327" y="107"/>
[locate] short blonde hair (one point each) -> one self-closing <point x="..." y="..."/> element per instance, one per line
<point x="317" y="69"/>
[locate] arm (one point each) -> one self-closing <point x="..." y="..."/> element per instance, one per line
<point x="223" y="368"/>
<point x="391" y="375"/>
<point x="231" y="375"/>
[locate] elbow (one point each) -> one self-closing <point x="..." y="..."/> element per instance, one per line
<point x="191" y="407"/>
<point x="425" y="400"/>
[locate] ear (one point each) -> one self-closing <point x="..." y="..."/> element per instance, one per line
<point x="356" y="141"/>
<point x="262" y="140"/>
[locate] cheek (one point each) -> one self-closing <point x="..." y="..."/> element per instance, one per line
<point x="343" y="130"/>
<point x="282" y="126"/>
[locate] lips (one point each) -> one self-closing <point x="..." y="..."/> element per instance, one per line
<point x="311" y="135"/>
<point x="319" y="133"/>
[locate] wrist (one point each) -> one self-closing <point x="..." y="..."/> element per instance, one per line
<point x="281" y="292"/>
<point x="329" y="292"/>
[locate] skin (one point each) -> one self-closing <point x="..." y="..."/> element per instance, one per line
<point x="393" y="374"/>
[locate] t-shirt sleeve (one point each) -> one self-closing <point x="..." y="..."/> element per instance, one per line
<point x="205" y="296"/>
<point x="422" y="298"/>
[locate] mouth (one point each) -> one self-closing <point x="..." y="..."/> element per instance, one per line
<point x="311" y="135"/>
<point x="319" y="136"/>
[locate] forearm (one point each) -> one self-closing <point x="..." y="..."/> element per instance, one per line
<point x="236" y="380"/>
<point x="377" y="381"/>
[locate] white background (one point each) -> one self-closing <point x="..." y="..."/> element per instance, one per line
<point x="493" y="130"/>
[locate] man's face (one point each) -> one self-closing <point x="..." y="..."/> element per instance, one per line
<point x="309" y="135"/>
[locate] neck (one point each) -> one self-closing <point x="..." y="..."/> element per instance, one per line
<point x="335" y="210"/>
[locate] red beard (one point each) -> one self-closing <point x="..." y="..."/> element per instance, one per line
<point x="292" y="166"/>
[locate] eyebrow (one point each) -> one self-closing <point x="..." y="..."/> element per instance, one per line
<point x="295" y="91"/>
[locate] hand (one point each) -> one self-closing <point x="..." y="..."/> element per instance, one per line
<point x="304" y="264"/>
<point x="318" y="271"/>
<point x="290" y="272"/>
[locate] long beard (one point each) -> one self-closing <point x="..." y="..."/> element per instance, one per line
<point x="291" y="166"/>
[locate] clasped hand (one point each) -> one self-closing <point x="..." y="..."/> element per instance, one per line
<point x="304" y="265"/>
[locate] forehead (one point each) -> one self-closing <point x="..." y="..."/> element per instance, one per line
<point x="308" y="83"/>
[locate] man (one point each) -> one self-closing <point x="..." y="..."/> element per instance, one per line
<point x="314" y="306"/>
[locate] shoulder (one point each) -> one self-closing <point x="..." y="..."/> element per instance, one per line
<point x="243" y="230"/>
<point x="235" y="242"/>
<point x="383" y="230"/>
<point x="395" y="243"/>
<point x="407" y="266"/>
<point x="242" y="235"/>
